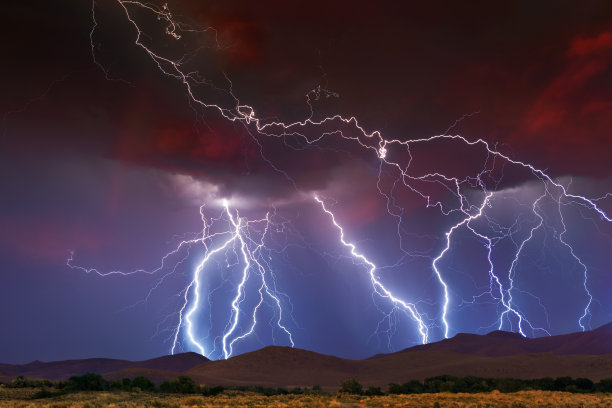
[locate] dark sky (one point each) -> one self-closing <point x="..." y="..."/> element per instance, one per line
<point x="105" y="156"/>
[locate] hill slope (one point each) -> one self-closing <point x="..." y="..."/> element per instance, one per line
<point x="58" y="370"/>
<point x="498" y="343"/>
<point x="498" y="354"/>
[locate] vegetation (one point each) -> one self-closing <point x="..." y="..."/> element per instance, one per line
<point x="22" y="398"/>
<point x="447" y="383"/>
<point x="477" y="384"/>
<point x="432" y="385"/>
<point x="268" y="391"/>
<point x="351" y="386"/>
<point x="92" y="390"/>
<point x="182" y="385"/>
<point x="21" y="382"/>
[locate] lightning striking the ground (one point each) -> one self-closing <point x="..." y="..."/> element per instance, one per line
<point x="224" y="236"/>
<point x="469" y="202"/>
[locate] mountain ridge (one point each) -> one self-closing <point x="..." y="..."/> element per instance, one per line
<point x="497" y="354"/>
<point x="58" y="370"/>
<point x="501" y="343"/>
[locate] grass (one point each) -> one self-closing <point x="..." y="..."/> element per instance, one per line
<point x="23" y="398"/>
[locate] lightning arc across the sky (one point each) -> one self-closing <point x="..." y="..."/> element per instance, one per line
<point x="472" y="212"/>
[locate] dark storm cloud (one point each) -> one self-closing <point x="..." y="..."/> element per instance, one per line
<point x="539" y="75"/>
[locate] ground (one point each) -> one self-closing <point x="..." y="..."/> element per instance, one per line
<point x="23" y="398"/>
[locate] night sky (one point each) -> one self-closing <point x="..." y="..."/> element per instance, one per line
<point x="105" y="157"/>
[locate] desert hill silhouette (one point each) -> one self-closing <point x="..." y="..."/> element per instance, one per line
<point x="497" y="354"/>
<point x="58" y="370"/>
<point x="501" y="343"/>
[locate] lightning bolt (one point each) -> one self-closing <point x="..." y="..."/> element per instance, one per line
<point x="395" y="157"/>
<point x="238" y="234"/>
<point x="377" y="285"/>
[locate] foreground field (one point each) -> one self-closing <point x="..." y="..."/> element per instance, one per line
<point x="12" y="398"/>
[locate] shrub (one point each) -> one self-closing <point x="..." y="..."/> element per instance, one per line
<point x="372" y="391"/>
<point x="545" y="384"/>
<point x="46" y="393"/>
<point x="412" y="387"/>
<point x="143" y="383"/>
<point x="584" y="384"/>
<point x="433" y="384"/>
<point x="212" y="391"/>
<point x="87" y="382"/>
<point x="124" y="384"/>
<point x="18" y="382"/>
<point x="394" y="389"/>
<point x="604" y="385"/>
<point x="182" y="385"/>
<point x="562" y="382"/>
<point x="351" y="386"/>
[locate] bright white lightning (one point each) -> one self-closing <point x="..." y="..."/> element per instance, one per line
<point x="587" y="307"/>
<point x="512" y="270"/>
<point x="249" y="258"/>
<point x="379" y="288"/>
<point x="195" y="283"/>
<point x="188" y="313"/>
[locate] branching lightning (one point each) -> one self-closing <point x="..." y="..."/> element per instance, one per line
<point x="238" y="236"/>
<point x="471" y="211"/>
<point x="377" y="285"/>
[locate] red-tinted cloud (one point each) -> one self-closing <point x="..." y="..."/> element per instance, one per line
<point x="581" y="46"/>
<point x="570" y="119"/>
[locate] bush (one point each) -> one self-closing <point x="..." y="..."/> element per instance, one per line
<point x="545" y="384"/>
<point x="561" y="383"/>
<point x="470" y="384"/>
<point x="510" y="385"/>
<point x="434" y="384"/>
<point x="604" y="385"/>
<point x="46" y="393"/>
<point x="412" y="387"/>
<point x="373" y="391"/>
<point x="143" y="383"/>
<point x="87" y="382"/>
<point x="394" y="389"/>
<point x="182" y="385"/>
<point x="212" y="391"/>
<point x="351" y="386"/>
<point x="18" y="382"/>
<point x="584" y="384"/>
<point x="125" y="384"/>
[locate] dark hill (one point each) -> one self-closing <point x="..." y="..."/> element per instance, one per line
<point x="277" y="366"/>
<point x="499" y="343"/>
<point x="498" y="354"/>
<point x="286" y="367"/>
<point x="58" y="370"/>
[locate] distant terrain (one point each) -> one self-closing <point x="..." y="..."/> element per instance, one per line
<point x="497" y="354"/>
<point x="61" y="370"/>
